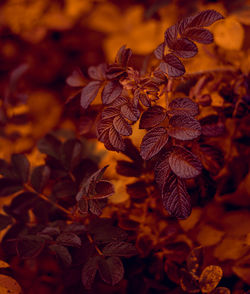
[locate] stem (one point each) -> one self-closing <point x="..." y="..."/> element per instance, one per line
<point x="45" y="198"/>
<point x="92" y="242"/>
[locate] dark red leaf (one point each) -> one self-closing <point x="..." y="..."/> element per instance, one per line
<point x="115" y="71"/>
<point x="21" y="166"/>
<point x="184" y="48"/>
<point x="176" y="198"/>
<point x="94" y="207"/>
<point x="184" y="127"/>
<point x="205" y="18"/>
<point x="62" y="252"/>
<point x="183" y="106"/>
<point x="69" y="239"/>
<point x="64" y="188"/>
<point x="137" y="190"/>
<point x="71" y="153"/>
<point x="195" y="261"/>
<point x="184" y="24"/>
<point x="107" y="143"/>
<point x="162" y="171"/>
<point x="188" y="283"/>
<point x="116" y="140"/>
<point x="152" y="117"/>
<point x="211" y="126"/>
<point x="128" y="169"/>
<point x="103" y="189"/>
<point x="130" y="112"/>
<point x="50" y="146"/>
<point x="76" y="79"/>
<point x="5" y="221"/>
<point x="199" y="35"/>
<point x="153" y="142"/>
<point x="89" y="93"/>
<point x="110" y="112"/>
<point x="223" y="290"/>
<point x="83" y="205"/>
<point x="172" y="66"/>
<point x="9" y="186"/>
<point x="123" y="56"/>
<point x="122" y="126"/>
<point x="184" y="163"/>
<point x="111" y="91"/>
<point x="171" y="35"/>
<point x="97" y="72"/>
<point x="159" y="51"/>
<point x="102" y="128"/>
<point x="145" y="100"/>
<point x="39" y="177"/>
<point x="121" y="100"/>
<point x="111" y="270"/>
<point x="30" y="246"/>
<point x="89" y="272"/>
<point x="124" y="249"/>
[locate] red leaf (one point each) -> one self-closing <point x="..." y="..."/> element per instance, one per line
<point x="102" y="127"/>
<point x="115" y="71"/>
<point x="184" y="127"/>
<point x="69" y="239"/>
<point x="128" y="169"/>
<point x="71" y="153"/>
<point x="184" y="24"/>
<point x="152" y="117"/>
<point x="171" y="35"/>
<point x="210" y="278"/>
<point x="94" y="207"/>
<point x="211" y="126"/>
<point x="62" y="252"/>
<point x="89" y="271"/>
<point x="172" y="66"/>
<point x="199" y="35"/>
<point x="89" y="93"/>
<point x="111" y="270"/>
<point x="145" y="100"/>
<point x="162" y="171"/>
<point x="184" y="48"/>
<point x="205" y="18"/>
<point x="76" y="79"/>
<point x="176" y="198"/>
<point x="97" y="72"/>
<point x="123" y="56"/>
<point x="130" y="112"/>
<point x="124" y="249"/>
<point x="40" y="176"/>
<point x="122" y="126"/>
<point x="184" y="163"/>
<point x="159" y="51"/>
<point x="116" y="140"/>
<point x="21" y="166"/>
<point x="103" y="189"/>
<point x="119" y="102"/>
<point x="183" y="106"/>
<point x="30" y="246"/>
<point x="153" y="142"/>
<point x="110" y="112"/>
<point x="111" y="91"/>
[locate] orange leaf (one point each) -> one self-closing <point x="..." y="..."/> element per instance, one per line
<point x="210" y="278"/>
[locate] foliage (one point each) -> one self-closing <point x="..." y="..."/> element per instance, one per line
<point x="124" y="170"/>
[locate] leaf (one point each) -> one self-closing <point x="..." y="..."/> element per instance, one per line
<point x="103" y="127"/>
<point x="171" y="35"/>
<point x="210" y="278"/>
<point x="205" y="18"/>
<point x="9" y="286"/>
<point x="76" y="79"/>
<point x="128" y="169"/>
<point x="189" y="283"/>
<point x="111" y="270"/>
<point x="62" y="252"/>
<point x="172" y="66"/>
<point x="94" y="207"/>
<point x="50" y="145"/>
<point x="211" y="126"/>
<point x="9" y="186"/>
<point x="89" y="93"/>
<point x="123" y="56"/>
<point x="199" y="35"/>
<point x="221" y="290"/>
<point x="71" y="153"/>
<point x="111" y="91"/>
<point x="110" y="112"/>
<point x="4" y="264"/>
<point x="162" y="171"/>
<point x="103" y="189"/>
<point x="159" y="51"/>
<point x="152" y="117"/>
<point x="176" y="198"/>
<point x="195" y="261"/>
<point x="97" y="72"/>
<point x="184" y="127"/>
<point x="184" y="163"/>
<point x="183" y="106"/>
<point x="39" y="177"/>
<point x="21" y="166"/>
<point x="122" y="126"/>
<point x="116" y="140"/>
<point x="69" y="239"/>
<point x="130" y="112"/>
<point x="124" y="249"/>
<point x="184" y="48"/>
<point x="89" y="272"/>
<point x="153" y="142"/>
<point x="30" y="246"/>
<point x="5" y="221"/>
<point x="137" y="190"/>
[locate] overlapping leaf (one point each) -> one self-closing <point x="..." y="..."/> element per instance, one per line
<point x="183" y="106"/>
<point x="152" y="117"/>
